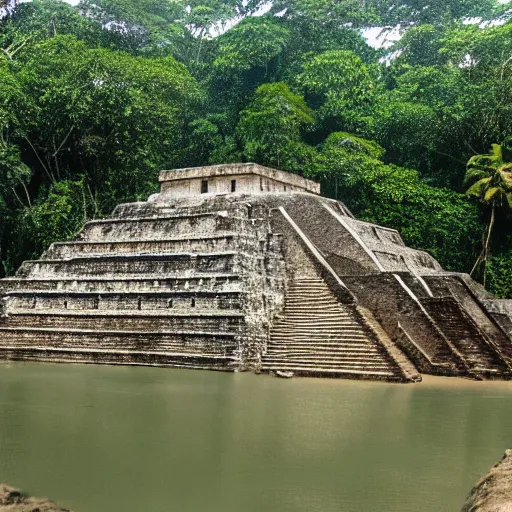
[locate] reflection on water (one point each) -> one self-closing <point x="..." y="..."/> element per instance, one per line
<point x="154" y="440"/>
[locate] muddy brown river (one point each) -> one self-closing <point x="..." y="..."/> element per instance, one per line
<point x="122" y="439"/>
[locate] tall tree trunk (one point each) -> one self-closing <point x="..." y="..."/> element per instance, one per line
<point x="26" y="193"/>
<point x="200" y="47"/>
<point x="482" y="257"/>
<point x="479" y="259"/>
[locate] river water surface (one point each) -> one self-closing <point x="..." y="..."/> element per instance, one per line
<point x="121" y="439"/>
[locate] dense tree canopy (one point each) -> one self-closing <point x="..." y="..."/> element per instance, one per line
<point x="96" y="98"/>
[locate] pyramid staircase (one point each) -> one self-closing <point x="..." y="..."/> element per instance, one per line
<point x="319" y="336"/>
<point x="481" y="356"/>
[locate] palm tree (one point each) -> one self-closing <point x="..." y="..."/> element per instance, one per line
<point x="489" y="178"/>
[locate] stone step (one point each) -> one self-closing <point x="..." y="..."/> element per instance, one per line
<point x="122" y="333"/>
<point x="311" y="342"/>
<point x="340" y="350"/>
<point x="304" y="292"/>
<point x="115" y="357"/>
<point x="159" y="292"/>
<point x="161" y="344"/>
<point x="309" y="336"/>
<point x="314" y="306"/>
<point x="161" y="301"/>
<point x="164" y="265"/>
<point x="299" y="321"/>
<point x="307" y="302"/>
<point x="486" y="370"/>
<point x="149" y="283"/>
<point x="110" y="343"/>
<point x="325" y="360"/>
<point x="318" y="328"/>
<point x="309" y="333"/>
<point x="322" y="363"/>
<point x="205" y="243"/>
<point x="334" y="357"/>
<point x="298" y="291"/>
<point x="313" y="338"/>
<point x="320" y="316"/>
<point x="168" y="351"/>
<point x="129" y="313"/>
<point x="319" y="346"/>
<point x="315" y="370"/>
<point x="198" y="344"/>
<point x="126" y="321"/>
<point x="316" y="313"/>
<point x="305" y="295"/>
<point x="318" y="306"/>
<point x="166" y="217"/>
<point x="308" y="285"/>
<point x="159" y="227"/>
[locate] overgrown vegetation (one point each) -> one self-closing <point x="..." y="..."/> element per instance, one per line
<point x="96" y="99"/>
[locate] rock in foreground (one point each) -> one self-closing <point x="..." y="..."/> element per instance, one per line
<point x="493" y="493"/>
<point x="12" y="500"/>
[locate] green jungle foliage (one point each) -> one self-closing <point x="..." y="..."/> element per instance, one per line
<point x="96" y="98"/>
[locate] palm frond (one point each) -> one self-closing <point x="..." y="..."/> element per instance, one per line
<point x="493" y="194"/>
<point x="491" y="177"/>
<point x="478" y="161"/>
<point x="473" y="175"/>
<point x="497" y="152"/>
<point x="502" y="180"/>
<point x="478" y="188"/>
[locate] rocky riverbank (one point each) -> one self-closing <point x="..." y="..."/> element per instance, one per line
<point x="13" y="500"/>
<point x="493" y="493"/>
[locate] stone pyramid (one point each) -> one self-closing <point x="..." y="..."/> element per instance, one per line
<point x="241" y="267"/>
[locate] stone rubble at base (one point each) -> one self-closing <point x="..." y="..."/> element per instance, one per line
<point x="240" y="267"/>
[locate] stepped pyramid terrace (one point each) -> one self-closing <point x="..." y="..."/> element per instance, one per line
<point x="241" y="267"/>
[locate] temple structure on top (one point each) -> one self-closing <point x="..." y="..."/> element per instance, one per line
<point x="248" y="179"/>
<point x="241" y="267"/>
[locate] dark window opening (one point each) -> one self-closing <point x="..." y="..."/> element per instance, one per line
<point x="204" y="186"/>
<point x="233" y="185"/>
<point x="169" y="303"/>
<point x="261" y="183"/>
<point x="193" y="303"/>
